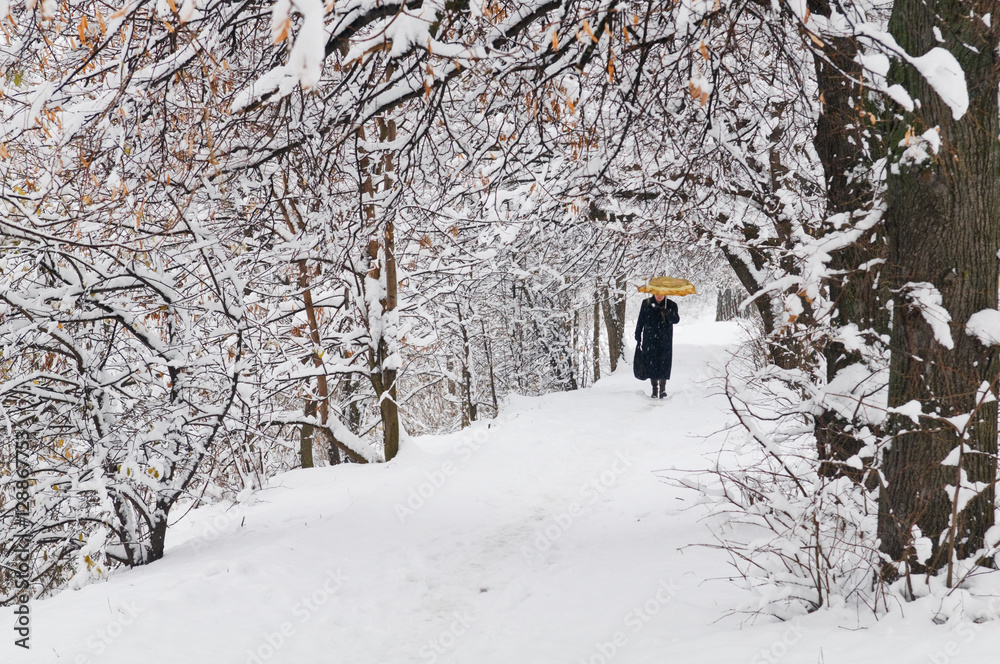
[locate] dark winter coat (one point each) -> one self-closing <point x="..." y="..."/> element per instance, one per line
<point x="654" y="334"/>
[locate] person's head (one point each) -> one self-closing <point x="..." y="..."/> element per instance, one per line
<point x="659" y="298"/>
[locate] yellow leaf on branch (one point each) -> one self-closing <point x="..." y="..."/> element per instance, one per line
<point x="281" y="34"/>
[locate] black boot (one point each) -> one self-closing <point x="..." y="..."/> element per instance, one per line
<point x="656" y="388"/>
<point x="661" y="388"/>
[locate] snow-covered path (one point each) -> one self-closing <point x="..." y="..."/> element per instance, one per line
<point x="545" y="536"/>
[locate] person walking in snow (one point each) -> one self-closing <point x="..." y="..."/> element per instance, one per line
<point x="654" y="335"/>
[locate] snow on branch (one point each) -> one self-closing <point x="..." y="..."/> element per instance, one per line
<point x="353" y="445"/>
<point x="938" y="67"/>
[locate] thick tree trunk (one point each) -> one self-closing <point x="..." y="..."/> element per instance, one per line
<point x="943" y="223"/>
<point x="307" y="433"/>
<point x="333" y="455"/>
<point x="842" y="147"/>
<point x="158" y="532"/>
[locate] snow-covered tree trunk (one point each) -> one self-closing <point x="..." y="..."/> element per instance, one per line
<point x="943" y="223"/>
<point x="379" y="195"/>
<point x="388" y="351"/>
<point x="843" y="142"/>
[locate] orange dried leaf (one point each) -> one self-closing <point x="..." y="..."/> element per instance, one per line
<point x="281" y="34"/>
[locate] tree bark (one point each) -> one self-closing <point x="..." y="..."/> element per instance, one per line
<point x="781" y="355"/>
<point x="618" y="308"/>
<point x="489" y="363"/>
<point x="943" y="225"/>
<point x="597" y="334"/>
<point x="469" y="410"/>
<point x="388" y="405"/>
<point x="383" y="378"/>
<point x="614" y="321"/>
<point x="846" y="155"/>
<point x="319" y="405"/>
<point x="727" y="305"/>
<point x="307" y="433"/>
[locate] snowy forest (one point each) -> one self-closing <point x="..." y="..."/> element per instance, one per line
<point x="244" y="237"/>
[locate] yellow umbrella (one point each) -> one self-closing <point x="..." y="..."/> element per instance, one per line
<point x="668" y="286"/>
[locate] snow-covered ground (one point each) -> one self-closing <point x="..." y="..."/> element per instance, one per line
<point x="545" y="536"/>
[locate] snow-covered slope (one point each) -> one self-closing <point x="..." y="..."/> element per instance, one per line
<point x="545" y="536"/>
